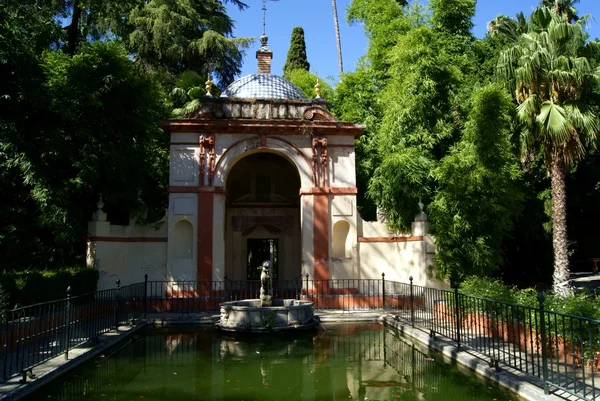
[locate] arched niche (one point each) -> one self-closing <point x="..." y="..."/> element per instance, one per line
<point x="183" y="237"/>
<point x="341" y="229"/>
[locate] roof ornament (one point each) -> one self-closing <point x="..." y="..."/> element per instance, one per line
<point x="264" y="38"/>
<point x="208" y="85"/>
<point x="318" y="89"/>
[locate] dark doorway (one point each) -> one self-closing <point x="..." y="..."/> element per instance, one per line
<point x="259" y="250"/>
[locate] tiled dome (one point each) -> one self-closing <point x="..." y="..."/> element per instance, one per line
<point x="263" y="86"/>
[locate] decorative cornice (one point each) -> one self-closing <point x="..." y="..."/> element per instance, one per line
<point x="126" y="239"/>
<point x="391" y="239"/>
<point x="318" y="113"/>
<point x="328" y="191"/>
<point x="262" y="127"/>
<point x="194" y="190"/>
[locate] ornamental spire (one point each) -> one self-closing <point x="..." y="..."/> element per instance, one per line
<point x="264" y="54"/>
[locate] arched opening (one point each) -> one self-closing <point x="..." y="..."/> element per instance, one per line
<point x="262" y="217"/>
<point x="340" y="238"/>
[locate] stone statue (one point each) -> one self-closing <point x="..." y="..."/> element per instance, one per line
<point x="265" y="284"/>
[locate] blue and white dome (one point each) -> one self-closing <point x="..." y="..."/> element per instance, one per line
<point x="263" y="86"/>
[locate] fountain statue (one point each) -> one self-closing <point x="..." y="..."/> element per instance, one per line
<point x="266" y="315"/>
<point x="266" y="285"/>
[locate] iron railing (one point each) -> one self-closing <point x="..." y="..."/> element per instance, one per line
<point x="562" y="350"/>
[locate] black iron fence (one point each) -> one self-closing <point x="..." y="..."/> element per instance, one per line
<point x="562" y="350"/>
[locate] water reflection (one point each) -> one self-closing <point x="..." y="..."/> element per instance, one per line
<point x="340" y="362"/>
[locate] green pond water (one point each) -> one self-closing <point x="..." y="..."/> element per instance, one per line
<point x="335" y="362"/>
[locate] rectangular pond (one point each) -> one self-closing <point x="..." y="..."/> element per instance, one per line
<point x="335" y="362"/>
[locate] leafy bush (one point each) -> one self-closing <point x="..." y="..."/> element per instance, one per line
<point x="581" y="304"/>
<point x="577" y="331"/>
<point x="490" y="288"/>
<point x="29" y="287"/>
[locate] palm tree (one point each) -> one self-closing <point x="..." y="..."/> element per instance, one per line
<point x="552" y="84"/>
<point x="338" y="39"/>
<point x="563" y="8"/>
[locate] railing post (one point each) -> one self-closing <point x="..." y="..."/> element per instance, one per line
<point x="383" y="291"/>
<point x="540" y="298"/>
<point x="307" y="286"/>
<point x="457" y="313"/>
<point x="412" y="303"/>
<point x="145" y="295"/>
<point x="117" y="301"/>
<point x="68" y="323"/>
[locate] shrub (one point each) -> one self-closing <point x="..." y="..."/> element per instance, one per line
<point x="29" y="287"/>
<point x="577" y="332"/>
<point x="489" y="288"/>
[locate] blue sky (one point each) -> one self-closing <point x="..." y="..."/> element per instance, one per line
<point x="315" y="16"/>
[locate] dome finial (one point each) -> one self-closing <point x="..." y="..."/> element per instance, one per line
<point x="263" y="42"/>
<point x="208" y="85"/>
<point x="318" y="89"/>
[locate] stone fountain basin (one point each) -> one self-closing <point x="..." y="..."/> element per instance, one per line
<point x="284" y="314"/>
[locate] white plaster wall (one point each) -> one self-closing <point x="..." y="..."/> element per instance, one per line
<point x="185" y="137"/>
<point x="398" y="260"/>
<point x="340" y="140"/>
<point x="182" y="207"/>
<point x="342" y="172"/>
<point x="184" y="165"/>
<point x="128" y="261"/>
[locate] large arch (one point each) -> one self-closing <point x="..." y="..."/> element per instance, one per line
<point x="262" y="216"/>
<point x="248" y="146"/>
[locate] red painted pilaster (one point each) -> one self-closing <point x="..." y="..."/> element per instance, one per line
<point x="205" y="236"/>
<point x="321" y="236"/>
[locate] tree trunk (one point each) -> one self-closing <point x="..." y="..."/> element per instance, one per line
<point x="338" y="39"/>
<point x="561" y="277"/>
<point x="73" y="29"/>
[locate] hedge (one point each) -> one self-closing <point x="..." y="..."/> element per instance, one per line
<point x="27" y="287"/>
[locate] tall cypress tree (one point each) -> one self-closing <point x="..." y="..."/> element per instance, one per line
<point x="296" y="57"/>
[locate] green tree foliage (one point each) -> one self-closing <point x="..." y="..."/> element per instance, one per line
<point x="384" y="21"/>
<point x="296" y="57"/>
<point x="91" y="130"/>
<point x="186" y="35"/>
<point x="79" y="113"/>
<point x="478" y="192"/>
<point x="453" y="17"/>
<point x="422" y="118"/>
<point x="415" y="94"/>
<point x="554" y="87"/>
<point x="306" y="81"/>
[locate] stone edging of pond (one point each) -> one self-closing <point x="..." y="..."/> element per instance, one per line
<point x="13" y="390"/>
<point x="525" y="386"/>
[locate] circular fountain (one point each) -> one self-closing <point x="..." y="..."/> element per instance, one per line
<point x="266" y="315"/>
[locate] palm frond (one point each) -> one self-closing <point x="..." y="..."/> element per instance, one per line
<point x="553" y="123"/>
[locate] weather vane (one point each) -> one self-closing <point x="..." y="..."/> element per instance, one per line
<point x="264" y="10"/>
